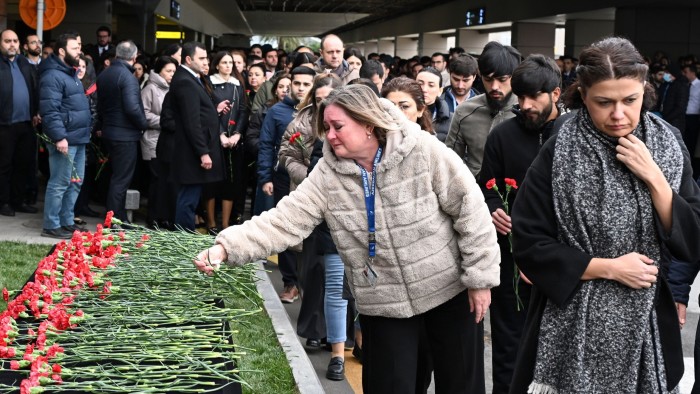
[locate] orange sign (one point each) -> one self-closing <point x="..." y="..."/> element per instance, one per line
<point x="54" y="12"/>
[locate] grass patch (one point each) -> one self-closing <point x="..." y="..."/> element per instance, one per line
<point x="273" y="374"/>
<point x="17" y="262"/>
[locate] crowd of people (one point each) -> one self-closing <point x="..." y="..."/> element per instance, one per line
<point x="388" y="188"/>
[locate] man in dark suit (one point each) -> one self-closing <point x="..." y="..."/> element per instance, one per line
<point x="199" y="157"/>
<point x="122" y="122"/>
<point x="99" y="51"/>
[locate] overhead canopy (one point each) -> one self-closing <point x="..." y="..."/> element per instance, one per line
<point x="284" y="17"/>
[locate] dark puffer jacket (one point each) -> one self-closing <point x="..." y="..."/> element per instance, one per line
<point x="441" y="119"/>
<point x="64" y="108"/>
<point x="121" y="109"/>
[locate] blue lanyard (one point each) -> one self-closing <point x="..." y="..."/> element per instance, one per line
<point x="369" y="202"/>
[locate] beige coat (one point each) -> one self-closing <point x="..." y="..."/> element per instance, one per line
<point x="293" y="157"/>
<point x="152" y="95"/>
<point x="434" y="232"/>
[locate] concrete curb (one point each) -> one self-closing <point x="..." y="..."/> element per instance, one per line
<point x="304" y="373"/>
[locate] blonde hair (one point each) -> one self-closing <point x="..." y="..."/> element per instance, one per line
<point x="362" y="105"/>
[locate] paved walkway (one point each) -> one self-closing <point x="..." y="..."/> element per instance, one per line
<point x="27" y="228"/>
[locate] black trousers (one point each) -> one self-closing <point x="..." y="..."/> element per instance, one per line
<point x="166" y="192"/>
<point x="312" y="277"/>
<point x="507" y="324"/>
<point x="287" y="260"/>
<point x="91" y="167"/>
<point x="17" y="154"/>
<point x="396" y="352"/>
<point x="123" y="156"/>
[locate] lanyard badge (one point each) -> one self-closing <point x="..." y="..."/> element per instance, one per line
<point x="369" y="190"/>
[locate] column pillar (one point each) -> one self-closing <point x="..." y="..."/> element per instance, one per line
<point x="370" y="46"/>
<point x="531" y="38"/>
<point x="430" y="43"/>
<point x="471" y="40"/>
<point x="406" y="47"/>
<point x="386" y="46"/>
<point x="580" y="33"/>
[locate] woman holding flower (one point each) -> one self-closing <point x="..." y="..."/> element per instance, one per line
<point x="603" y="197"/>
<point x="280" y="88"/>
<point x="413" y="231"/>
<point x="227" y="86"/>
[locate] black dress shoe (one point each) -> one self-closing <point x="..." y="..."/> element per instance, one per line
<point x="357" y="353"/>
<point x="336" y="369"/>
<point x="314" y="343"/>
<point x="24" y="208"/>
<point x="165" y="225"/>
<point x="73" y="228"/>
<point x="6" y="210"/>
<point x="59" y="233"/>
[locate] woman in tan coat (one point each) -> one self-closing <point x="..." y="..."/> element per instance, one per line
<point x="153" y="95"/>
<point x="413" y="231"/>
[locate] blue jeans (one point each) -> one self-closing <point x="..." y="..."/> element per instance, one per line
<point x="335" y="307"/>
<point x="262" y="202"/>
<point x="187" y="201"/>
<point x="61" y="193"/>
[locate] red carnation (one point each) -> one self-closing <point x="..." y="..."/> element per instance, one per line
<point x="511" y="182"/>
<point x="108" y="219"/>
<point x="491" y="183"/>
<point x="5" y="294"/>
<point x="231" y="122"/>
<point x="14" y="365"/>
<point x="294" y="137"/>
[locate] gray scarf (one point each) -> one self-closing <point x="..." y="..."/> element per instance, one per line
<point x="606" y="339"/>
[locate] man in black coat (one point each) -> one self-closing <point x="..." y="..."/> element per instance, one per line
<point x="199" y="157"/>
<point x="19" y="106"/>
<point x="510" y="149"/>
<point x="123" y="120"/>
<point x="675" y="101"/>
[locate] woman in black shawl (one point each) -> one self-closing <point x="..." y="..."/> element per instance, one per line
<point x="604" y="196"/>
